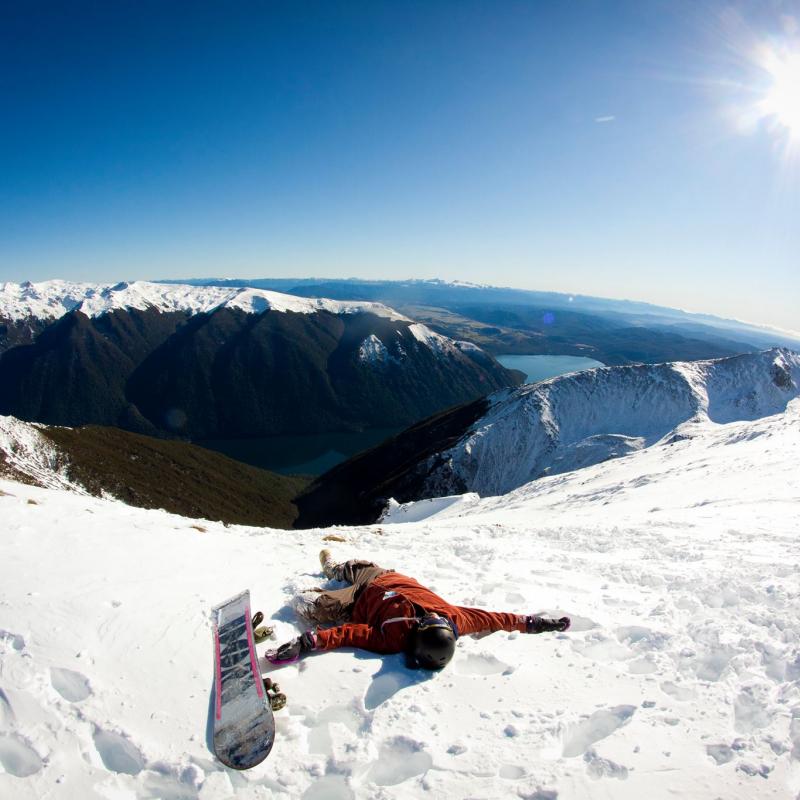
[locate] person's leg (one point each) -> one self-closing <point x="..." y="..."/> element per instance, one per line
<point x="325" y="607"/>
<point x="355" y="571"/>
<point x="360" y="573"/>
<point x="333" y="605"/>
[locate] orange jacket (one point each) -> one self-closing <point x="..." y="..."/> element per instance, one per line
<point x="384" y="614"/>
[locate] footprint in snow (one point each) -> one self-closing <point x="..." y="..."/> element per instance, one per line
<point x="175" y="782"/>
<point x="582" y="735"/>
<point x="71" y="685"/>
<point x="18" y="757"/>
<point x="480" y="664"/>
<point x="331" y="787"/>
<point x="13" y="639"/>
<point x="117" y="753"/>
<point x="721" y="753"/>
<point x="399" y="759"/>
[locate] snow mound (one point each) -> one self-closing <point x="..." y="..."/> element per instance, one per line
<point x="417" y="511"/>
<point x="678" y="566"/>
<point x="52" y="299"/>
<point x="584" y="418"/>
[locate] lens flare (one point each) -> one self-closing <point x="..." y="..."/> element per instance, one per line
<point x="781" y="103"/>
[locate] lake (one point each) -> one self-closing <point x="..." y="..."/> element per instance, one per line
<point x="540" y="368"/>
<point x="309" y="454"/>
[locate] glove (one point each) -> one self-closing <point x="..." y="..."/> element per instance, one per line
<point x="289" y="652"/>
<point x="534" y="624"/>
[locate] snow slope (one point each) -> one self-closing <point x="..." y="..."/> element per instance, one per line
<point x="584" y="418"/>
<point x="30" y="456"/>
<point x="680" y="678"/>
<point x="52" y="299"/>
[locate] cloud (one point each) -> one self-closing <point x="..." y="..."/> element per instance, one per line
<point x="609" y="118"/>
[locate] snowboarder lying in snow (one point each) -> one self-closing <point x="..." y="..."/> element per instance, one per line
<point x="391" y="613"/>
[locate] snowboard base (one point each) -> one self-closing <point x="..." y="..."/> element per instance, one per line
<point x="244" y="727"/>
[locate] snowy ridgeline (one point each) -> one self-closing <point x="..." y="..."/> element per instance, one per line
<point x="585" y="418"/>
<point x="53" y="299"/>
<point x="50" y="300"/>
<point x="680" y="678"/>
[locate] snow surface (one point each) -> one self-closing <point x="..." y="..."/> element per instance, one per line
<point x="580" y="419"/>
<point x="435" y="341"/>
<point x="31" y="456"/>
<point x="373" y="351"/>
<point x="52" y="299"/>
<point x="680" y="677"/>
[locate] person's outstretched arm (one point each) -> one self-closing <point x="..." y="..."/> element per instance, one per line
<point x="389" y="640"/>
<point x="348" y="635"/>
<point x="477" y="620"/>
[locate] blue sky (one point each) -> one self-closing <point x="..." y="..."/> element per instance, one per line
<point x="600" y="147"/>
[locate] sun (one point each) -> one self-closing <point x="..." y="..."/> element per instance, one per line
<point x="781" y="103"/>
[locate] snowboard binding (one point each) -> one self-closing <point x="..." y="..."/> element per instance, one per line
<point x="277" y="699"/>
<point x="261" y="632"/>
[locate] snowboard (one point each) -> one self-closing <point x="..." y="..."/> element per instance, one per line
<point x="244" y="727"/>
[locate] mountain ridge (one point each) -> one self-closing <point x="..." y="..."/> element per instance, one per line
<point x="218" y="363"/>
<point x="552" y="427"/>
<point x="147" y="473"/>
<point x="52" y="299"/>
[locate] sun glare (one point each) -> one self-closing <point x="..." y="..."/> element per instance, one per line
<point x="782" y="101"/>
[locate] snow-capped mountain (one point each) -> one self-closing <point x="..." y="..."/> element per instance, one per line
<point x="52" y="299"/>
<point x="679" y="678"/>
<point x="211" y="362"/>
<point x="556" y="426"/>
<point x="587" y="417"/>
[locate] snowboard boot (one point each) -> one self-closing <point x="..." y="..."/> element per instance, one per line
<point x="328" y="564"/>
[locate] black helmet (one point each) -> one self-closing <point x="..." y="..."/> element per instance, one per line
<point x="433" y="643"/>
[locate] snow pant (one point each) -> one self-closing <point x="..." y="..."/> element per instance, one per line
<point x="332" y="605"/>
